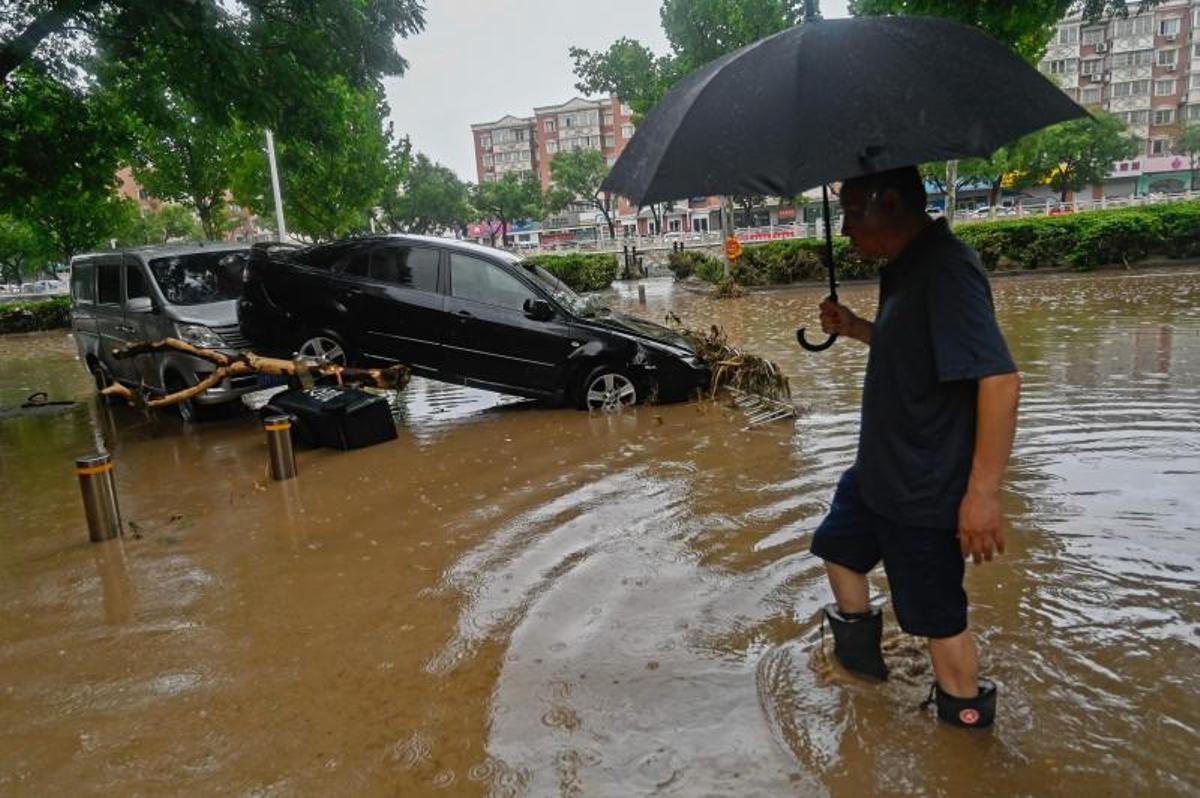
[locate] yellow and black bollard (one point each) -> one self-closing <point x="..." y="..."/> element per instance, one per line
<point x="99" y="496"/>
<point x="279" y="446"/>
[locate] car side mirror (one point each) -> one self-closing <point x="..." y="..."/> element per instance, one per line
<point x="139" y="304"/>
<point x="538" y="309"/>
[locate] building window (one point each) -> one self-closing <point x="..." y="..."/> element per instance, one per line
<point x="1132" y="88"/>
<point x="1092" y="66"/>
<point x="1169" y="26"/>
<point x="612" y="159"/>
<point x="1160" y="146"/>
<point x="625" y="109"/>
<point x="485" y="142"/>
<point x="548" y="125"/>
<point x="627" y="131"/>
<point x="1135" y="118"/>
<point x="1194" y="81"/>
<point x="487" y="160"/>
<point x="1093" y="35"/>
<point x="1193" y="113"/>
<point x="1196" y="48"/>
<point x="1137" y="26"/>
<point x="551" y="146"/>
<point x="1166" y="57"/>
<point x="608" y="118"/>
<point x="1195" y="18"/>
<point x="1068" y="35"/>
<point x="1164" y="88"/>
<point x="1091" y="96"/>
<point x="1164" y="116"/>
<point x="1134" y="58"/>
<point x="610" y="142"/>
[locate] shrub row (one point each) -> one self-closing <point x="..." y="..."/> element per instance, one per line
<point x="1081" y="241"/>
<point x="776" y="263"/>
<point x="583" y="271"/>
<point x="47" y="314"/>
<point x="1087" y="240"/>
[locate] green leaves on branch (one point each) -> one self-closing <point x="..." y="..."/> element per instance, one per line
<point x="576" y="176"/>
<point x="429" y="200"/>
<point x="331" y="185"/>
<point x="514" y="197"/>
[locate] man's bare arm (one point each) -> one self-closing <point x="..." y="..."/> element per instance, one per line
<point x="979" y="529"/>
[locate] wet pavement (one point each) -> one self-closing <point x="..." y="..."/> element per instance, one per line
<point x="513" y="600"/>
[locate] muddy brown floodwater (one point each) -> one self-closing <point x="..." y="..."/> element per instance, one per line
<point x="513" y="600"/>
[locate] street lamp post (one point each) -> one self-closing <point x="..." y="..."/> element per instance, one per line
<point x="280" y="227"/>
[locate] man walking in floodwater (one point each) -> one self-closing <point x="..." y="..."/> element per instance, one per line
<point x="939" y="411"/>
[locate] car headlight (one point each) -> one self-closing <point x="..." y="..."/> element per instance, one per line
<point x="201" y="336"/>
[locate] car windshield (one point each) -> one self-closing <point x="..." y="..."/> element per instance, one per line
<point x="587" y="307"/>
<point x="200" y="277"/>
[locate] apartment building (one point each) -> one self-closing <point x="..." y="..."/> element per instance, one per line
<point x="1146" y="70"/>
<point x="529" y="144"/>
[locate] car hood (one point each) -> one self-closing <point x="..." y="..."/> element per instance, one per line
<point x="211" y="314"/>
<point x="640" y="328"/>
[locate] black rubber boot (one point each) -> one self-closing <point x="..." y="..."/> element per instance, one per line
<point x="856" y="640"/>
<point x="968" y="713"/>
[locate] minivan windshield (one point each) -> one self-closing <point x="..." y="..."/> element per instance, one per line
<point x="198" y="278"/>
<point x="563" y="294"/>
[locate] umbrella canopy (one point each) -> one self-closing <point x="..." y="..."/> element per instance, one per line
<point x="834" y="99"/>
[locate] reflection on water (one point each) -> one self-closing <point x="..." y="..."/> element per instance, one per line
<point x="511" y="599"/>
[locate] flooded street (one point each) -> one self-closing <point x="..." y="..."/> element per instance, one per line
<point x="513" y="600"/>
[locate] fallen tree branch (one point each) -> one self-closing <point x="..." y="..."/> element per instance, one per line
<point x="244" y="364"/>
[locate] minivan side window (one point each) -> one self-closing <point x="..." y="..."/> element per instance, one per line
<point x="480" y="281"/>
<point x="135" y="282"/>
<point x="109" y="284"/>
<point x="83" y="283"/>
<point x="411" y="267"/>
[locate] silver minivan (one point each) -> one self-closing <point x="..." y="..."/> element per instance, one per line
<point x="186" y="291"/>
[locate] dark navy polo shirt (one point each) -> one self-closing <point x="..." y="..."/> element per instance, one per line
<point x="935" y="336"/>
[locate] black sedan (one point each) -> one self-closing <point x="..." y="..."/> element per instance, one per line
<point x="461" y="313"/>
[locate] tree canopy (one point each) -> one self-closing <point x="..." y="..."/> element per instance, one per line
<point x="430" y="199"/>
<point x="1072" y="155"/>
<point x="577" y="175"/>
<point x="511" y="198"/>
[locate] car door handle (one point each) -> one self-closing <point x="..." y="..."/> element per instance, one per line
<point x="125" y="329"/>
<point x="466" y="314"/>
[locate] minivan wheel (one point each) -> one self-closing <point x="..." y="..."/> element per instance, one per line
<point x="326" y="345"/>
<point x="189" y="411"/>
<point x="609" y="389"/>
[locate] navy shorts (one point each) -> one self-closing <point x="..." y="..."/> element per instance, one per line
<point x="924" y="566"/>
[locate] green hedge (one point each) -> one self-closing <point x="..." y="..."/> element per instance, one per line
<point x="583" y="271"/>
<point x="776" y="263"/>
<point x="48" y="314"/>
<point x="1089" y="239"/>
<point x="1081" y="241"/>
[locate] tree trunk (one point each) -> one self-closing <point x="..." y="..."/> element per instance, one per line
<point x="18" y="51"/>
<point x="951" y="190"/>
<point x="205" y="213"/>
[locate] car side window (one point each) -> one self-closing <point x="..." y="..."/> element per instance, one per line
<point x="109" y="284"/>
<point x="480" y="281"/>
<point x="354" y="262"/>
<point x="411" y="267"/>
<point x="83" y="284"/>
<point x="135" y="282"/>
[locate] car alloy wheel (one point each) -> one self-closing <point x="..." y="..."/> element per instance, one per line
<point x="610" y="391"/>
<point x="325" y="348"/>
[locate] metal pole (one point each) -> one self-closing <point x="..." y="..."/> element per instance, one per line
<point x="279" y="447"/>
<point x="99" y="496"/>
<point x="727" y="230"/>
<point x="641" y="294"/>
<point x="951" y="190"/>
<point x="280" y="227"/>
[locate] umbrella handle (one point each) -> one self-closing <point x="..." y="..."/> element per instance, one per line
<point x="821" y="347"/>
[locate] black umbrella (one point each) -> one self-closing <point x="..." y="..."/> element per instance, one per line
<point x="830" y="100"/>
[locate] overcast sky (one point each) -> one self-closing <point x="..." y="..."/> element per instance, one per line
<point x="481" y="59"/>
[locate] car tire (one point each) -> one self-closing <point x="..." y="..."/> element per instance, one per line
<point x="607" y="388"/>
<point x="327" y="344"/>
